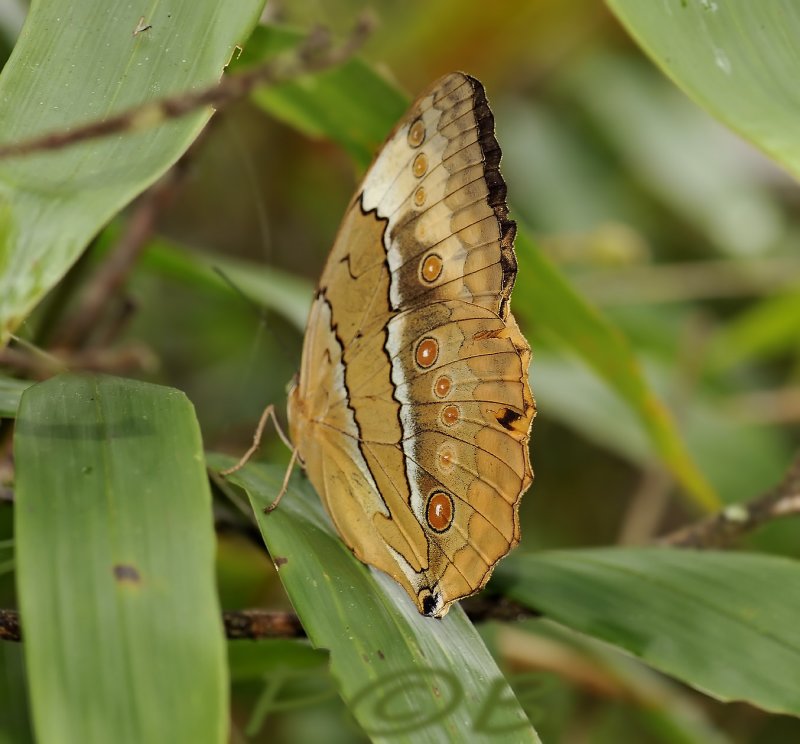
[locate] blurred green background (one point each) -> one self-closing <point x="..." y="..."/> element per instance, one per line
<point x="679" y="232"/>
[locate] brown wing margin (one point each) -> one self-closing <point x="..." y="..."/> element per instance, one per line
<point x="497" y="190"/>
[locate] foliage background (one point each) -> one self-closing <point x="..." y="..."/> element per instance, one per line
<point x="681" y="234"/>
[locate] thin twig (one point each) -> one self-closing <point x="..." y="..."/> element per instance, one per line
<point x="248" y="624"/>
<point x="734" y="521"/>
<point x="9" y="626"/>
<point x="317" y="52"/>
<point x="113" y="273"/>
<point x="254" y="624"/>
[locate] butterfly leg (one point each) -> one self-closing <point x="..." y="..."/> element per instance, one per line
<point x="269" y="412"/>
<point x="274" y="504"/>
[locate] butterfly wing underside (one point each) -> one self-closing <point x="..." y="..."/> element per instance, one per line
<point x="412" y="411"/>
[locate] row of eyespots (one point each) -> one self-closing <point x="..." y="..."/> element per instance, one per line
<point x="439" y="511"/>
<point x="416" y="136"/>
<point x="426" y="354"/>
<point x="431" y="265"/>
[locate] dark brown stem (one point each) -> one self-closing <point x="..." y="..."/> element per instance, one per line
<point x="257" y="624"/>
<point x="316" y="53"/>
<point x="9" y="626"/>
<point x="734" y="521"/>
<point x="254" y="624"/>
<point x="241" y="624"/>
<point x="113" y="273"/>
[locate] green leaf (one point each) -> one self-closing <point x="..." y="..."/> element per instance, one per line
<point x="435" y="678"/>
<point x="738" y="59"/>
<point x="115" y="565"/>
<point x="10" y="393"/>
<point x="550" y="306"/>
<point x="724" y="623"/>
<point x="80" y="62"/>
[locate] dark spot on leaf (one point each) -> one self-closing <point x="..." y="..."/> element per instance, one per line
<point x="380" y="654"/>
<point x="126" y="572"/>
<point x="280" y="561"/>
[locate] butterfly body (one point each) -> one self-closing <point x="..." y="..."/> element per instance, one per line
<point x="412" y="409"/>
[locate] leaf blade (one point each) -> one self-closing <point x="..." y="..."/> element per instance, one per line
<point x="724" y="623"/>
<point x="721" y="54"/>
<point x="115" y="556"/>
<point x="52" y="203"/>
<point x="373" y="631"/>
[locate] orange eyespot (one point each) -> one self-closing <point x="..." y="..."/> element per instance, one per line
<point x="420" y="165"/>
<point x="442" y="386"/>
<point x="450" y="415"/>
<point x="439" y="511"/>
<point x="416" y="134"/>
<point x="419" y="196"/>
<point x="431" y="267"/>
<point x="427" y="352"/>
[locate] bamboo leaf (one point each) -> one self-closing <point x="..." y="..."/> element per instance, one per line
<point x="736" y="58"/>
<point x="115" y="565"/>
<point x="435" y="676"/>
<point x="10" y="393"/>
<point x="78" y="62"/>
<point x="724" y="623"/>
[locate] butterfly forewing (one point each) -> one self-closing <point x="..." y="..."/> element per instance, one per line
<point x="412" y="411"/>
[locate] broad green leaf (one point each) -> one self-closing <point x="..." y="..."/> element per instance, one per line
<point x="724" y="623"/>
<point x="736" y="58"/>
<point x="404" y="677"/>
<point x="115" y="565"/>
<point x="10" y="392"/>
<point x="550" y="306"/>
<point x="80" y="62"/>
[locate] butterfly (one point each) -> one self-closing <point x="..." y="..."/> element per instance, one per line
<point x="412" y="411"/>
